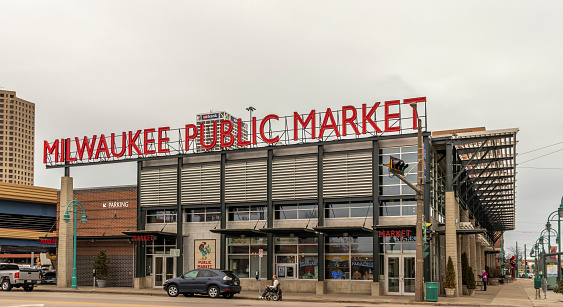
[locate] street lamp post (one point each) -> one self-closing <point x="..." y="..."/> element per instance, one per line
<point x="74" y="208"/>
<point x="559" y="214"/>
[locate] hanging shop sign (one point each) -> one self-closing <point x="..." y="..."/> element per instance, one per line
<point x="204" y="254"/>
<point x="405" y="233"/>
<point x="47" y="241"/>
<point x="143" y="238"/>
<point x="389" y="117"/>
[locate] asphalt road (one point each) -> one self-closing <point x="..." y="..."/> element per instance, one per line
<point x="17" y="298"/>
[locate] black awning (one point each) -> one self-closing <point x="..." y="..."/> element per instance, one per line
<point x="149" y="233"/>
<point x="290" y="231"/>
<point x="340" y="230"/>
<point x="234" y="232"/>
<point x="390" y="227"/>
<point x="463" y="231"/>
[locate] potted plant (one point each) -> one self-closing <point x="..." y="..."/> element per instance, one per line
<point x="464" y="266"/>
<point x="450" y="282"/>
<point x="471" y="284"/>
<point x="101" y="265"/>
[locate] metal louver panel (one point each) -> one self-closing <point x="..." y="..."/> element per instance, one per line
<point x="347" y="175"/>
<point x="246" y="181"/>
<point x="158" y="187"/>
<point x="294" y="178"/>
<point x="201" y="184"/>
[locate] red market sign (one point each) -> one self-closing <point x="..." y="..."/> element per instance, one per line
<point x="47" y="241"/>
<point x="395" y="233"/>
<point x="143" y="238"/>
<point x="394" y="116"/>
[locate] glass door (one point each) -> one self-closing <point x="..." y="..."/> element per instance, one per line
<point x="164" y="268"/>
<point x="393" y="267"/>
<point x="409" y="274"/>
<point x="400" y="274"/>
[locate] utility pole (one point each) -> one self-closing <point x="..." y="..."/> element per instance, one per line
<point x="418" y="287"/>
<point x="419" y="189"/>
<point x="525" y="263"/>
<point x="517" y="261"/>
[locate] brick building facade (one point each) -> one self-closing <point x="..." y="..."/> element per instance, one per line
<point x="110" y="212"/>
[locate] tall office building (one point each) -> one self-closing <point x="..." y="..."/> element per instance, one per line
<point x="208" y="119"/>
<point x="17" y="138"/>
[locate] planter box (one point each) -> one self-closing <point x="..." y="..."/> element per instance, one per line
<point x="450" y="292"/>
<point x="101" y="283"/>
<point x="471" y="292"/>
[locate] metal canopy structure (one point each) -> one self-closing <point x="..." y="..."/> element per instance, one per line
<point x="484" y="176"/>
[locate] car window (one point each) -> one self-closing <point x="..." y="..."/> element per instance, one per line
<point x="203" y="273"/>
<point x="206" y="273"/>
<point x="191" y="274"/>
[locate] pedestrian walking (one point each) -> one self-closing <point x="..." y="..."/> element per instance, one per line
<point x="484" y="279"/>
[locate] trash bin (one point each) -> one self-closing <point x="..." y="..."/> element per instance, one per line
<point x="537" y="283"/>
<point x="432" y="291"/>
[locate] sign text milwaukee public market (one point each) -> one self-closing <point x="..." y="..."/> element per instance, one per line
<point x="155" y="141"/>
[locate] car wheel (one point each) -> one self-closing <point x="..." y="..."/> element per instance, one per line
<point x="213" y="291"/>
<point x="228" y="295"/>
<point x="172" y="290"/>
<point x="28" y="288"/>
<point x="188" y="294"/>
<point x="6" y="285"/>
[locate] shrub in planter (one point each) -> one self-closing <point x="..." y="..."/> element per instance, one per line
<point x="450" y="282"/>
<point x="464" y="266"/>
<point x="101" y="265"/>
<point x="471" y="284"/>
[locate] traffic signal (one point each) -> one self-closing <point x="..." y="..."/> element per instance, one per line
<point x="397" y="166"/>
<point x="427" y="232"/>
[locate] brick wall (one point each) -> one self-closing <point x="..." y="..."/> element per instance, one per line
<point x="121" y="255"/>
<point x="107" y="221"/>
<point x="104" y="230"/>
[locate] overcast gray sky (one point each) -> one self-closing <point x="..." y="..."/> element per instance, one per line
<point x="110" y="66"/>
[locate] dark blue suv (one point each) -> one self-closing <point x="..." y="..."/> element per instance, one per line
<point x="204" y="281"/>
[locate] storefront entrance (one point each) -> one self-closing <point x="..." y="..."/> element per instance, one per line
<point x="286" y="270"/>
<point x="164" y="268"/>
<point x="400" y="274"/>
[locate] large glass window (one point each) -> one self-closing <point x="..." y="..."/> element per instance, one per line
<point x="398" y="245"/>
<point x="301" y="252"/>
<point x="349" y="209"/>
<point x="244" y="257"/>
<point x="161" y="216"/>
<point x="247" y="213"/>
<point x="349" y="258"/>
<point x="391" y="185"/>
<point x="203" y="215"/>
<point x="296" y="211"/>
<point x="397" y="207"/>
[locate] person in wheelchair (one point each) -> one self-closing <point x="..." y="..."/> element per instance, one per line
<point x="275" y="288"/>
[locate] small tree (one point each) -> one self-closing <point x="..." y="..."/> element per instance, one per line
<point x="559" y="288"/>
<point x="101" y="265"/>
<point x="450" y="275"/>
<point x="470" y="278"/>
<point x="464" y="266"/>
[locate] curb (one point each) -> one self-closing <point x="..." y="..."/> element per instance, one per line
<point x="290" y="299"/>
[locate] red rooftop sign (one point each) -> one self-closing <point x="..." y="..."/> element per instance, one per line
<point x="389" y="117"/>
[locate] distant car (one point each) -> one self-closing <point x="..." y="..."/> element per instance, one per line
<point x="49" y="277"/>
<point x="212" y="282"/>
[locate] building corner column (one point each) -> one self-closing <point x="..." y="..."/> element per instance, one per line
<point x="65" y="244"/>
<point x="451" y="231"/>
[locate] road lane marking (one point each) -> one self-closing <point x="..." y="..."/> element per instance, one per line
<point x="84" y="303"/>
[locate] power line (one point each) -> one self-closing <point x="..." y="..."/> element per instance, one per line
<point x="531" y="167"/>
<point x="540" y="148"/>
<point x="547" y="154"/>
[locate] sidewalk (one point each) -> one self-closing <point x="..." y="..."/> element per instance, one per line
<point x="519" y="293"/>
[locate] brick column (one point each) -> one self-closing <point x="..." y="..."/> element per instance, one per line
<point x="452" y="215"/>
<point x="66" y="232"/>
<point x="459" y="275"/>
<point x="473" y="255"/>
